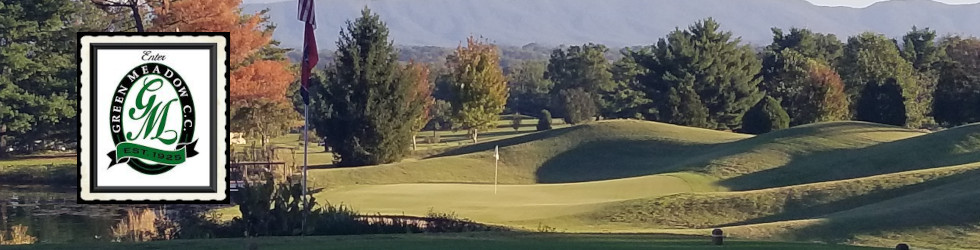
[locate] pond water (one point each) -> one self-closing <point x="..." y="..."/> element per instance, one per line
<point x="53" y="216"/>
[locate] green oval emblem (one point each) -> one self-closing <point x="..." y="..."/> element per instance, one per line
<point x="152" y="120"/>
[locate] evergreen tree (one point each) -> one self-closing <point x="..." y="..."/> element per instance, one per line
<point x="957" y="98"/>
<point x="362" y="102"/>
<point x="787" y="82"/>
<point x="871" y="57"/>
<point x="920" y="49"/>
<point x="577" y="105"/>
<point x="684" y="107"/>
<point x="38" y="68"/>
<point x="822" y="47"/>
<point x="625" y="100"/>
<point x="764" y="117"/>
<point x="721" y="72"/>
<point x="580" y="67"/>
<point x="479" y="87"/>
<point x="882" y="103"/>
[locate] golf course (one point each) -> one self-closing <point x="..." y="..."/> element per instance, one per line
<point x="852" y="183"/>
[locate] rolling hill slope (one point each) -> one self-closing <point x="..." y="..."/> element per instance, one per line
<point x="850" y="182"/>
<point x="625" y="149"/>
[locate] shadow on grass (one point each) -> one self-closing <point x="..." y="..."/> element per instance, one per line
<point x="473" y="148"/>
<point x="604" y="160"/>
<point x="796" y="209"/>
<point x="920" y="152"/>
<point x="944" y="214"/>
<point x="615" y="159"/>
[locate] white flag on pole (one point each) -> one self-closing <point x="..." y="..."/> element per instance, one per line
<point x="496" y="158"/>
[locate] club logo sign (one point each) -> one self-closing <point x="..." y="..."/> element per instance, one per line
<point x="153" y="118"/>
<point x="153" y="96"/>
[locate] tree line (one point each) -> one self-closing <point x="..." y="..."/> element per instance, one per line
<point x="38" y="67"/>
<point x="701" y="76"/>
<point x="369" y="106"/>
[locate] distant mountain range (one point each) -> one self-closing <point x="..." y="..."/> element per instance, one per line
<point x="615" y="23"/>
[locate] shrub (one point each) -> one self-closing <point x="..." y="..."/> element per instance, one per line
<point x="18" y="236"/>
<point x="516" y="122"/>
<point x="143" y="224"/>
<point x="544" y="121"/>
<point x="765" y="116"/>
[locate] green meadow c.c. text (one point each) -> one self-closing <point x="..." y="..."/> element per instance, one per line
<point x="153" y="115"/>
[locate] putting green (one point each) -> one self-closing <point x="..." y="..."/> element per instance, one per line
<point x="511" y="204"/>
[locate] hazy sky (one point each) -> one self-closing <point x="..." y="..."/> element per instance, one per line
<point x="865" y="3"/>
<point x="849" y="3"/>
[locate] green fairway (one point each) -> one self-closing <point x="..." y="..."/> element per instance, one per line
<point x="455" y="241"/>
<point x="833" y="182"/>
<point x="39" y="160"/>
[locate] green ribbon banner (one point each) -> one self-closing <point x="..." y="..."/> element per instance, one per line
<point x="132" y="150"/>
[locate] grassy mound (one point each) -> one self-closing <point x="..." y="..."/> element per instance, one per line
<point x="843" y="150"/>
<point x="706" y="210"/>
<point x="943" y="217"/>
<point x="842" y="182"/>
<point x="623" y="148"/>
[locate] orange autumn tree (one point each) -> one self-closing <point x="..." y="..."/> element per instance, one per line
<point x="260" y="74"/>
<point x="418" y="75"/>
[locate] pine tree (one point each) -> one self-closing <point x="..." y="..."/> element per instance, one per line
<point x="685" y="107"/>
<point x="38" y="75"/>
<point x="479" y="86"/>
<point x="920" y="49"/>
<point x="577" y="105"/>
<point x="721" y="72"/>
<point x="625" y="100"/>
<point x="361" y="101"/>
<point x="580" y="67"/>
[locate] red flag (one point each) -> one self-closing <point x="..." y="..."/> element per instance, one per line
<point x="310" y="56"/>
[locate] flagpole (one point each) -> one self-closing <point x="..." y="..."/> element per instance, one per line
<point x="307" y="15"/>
<point x="306" y="140"/>
<point x="496" y="158"/>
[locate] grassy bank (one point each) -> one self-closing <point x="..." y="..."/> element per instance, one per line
<point x="470" y="241"/>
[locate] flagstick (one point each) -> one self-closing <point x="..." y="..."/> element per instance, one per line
<point x="496" y="158"/>
<point x="306" y="140"/>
